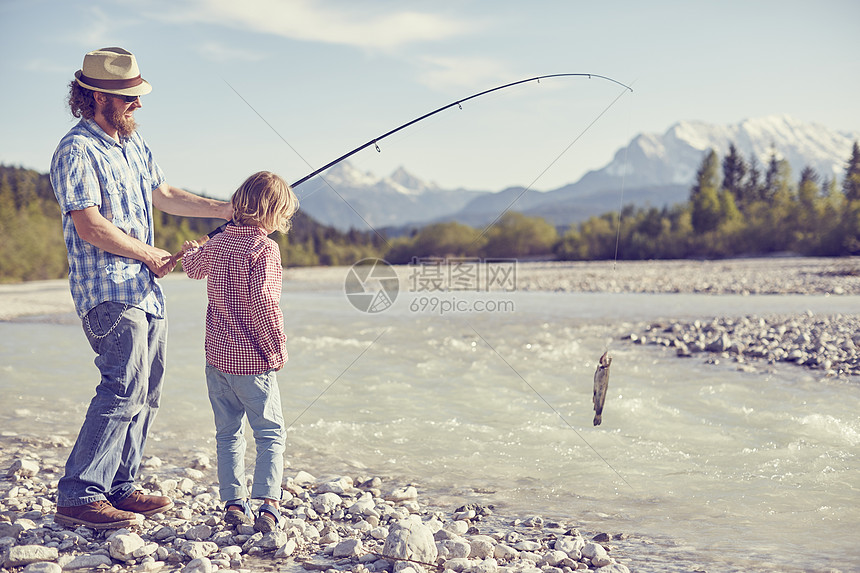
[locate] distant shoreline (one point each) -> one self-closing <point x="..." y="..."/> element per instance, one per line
<point x="788" y="275"/>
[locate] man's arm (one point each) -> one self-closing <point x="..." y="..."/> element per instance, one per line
<point x="93" y="228"/>
<point x="177" y="201"/>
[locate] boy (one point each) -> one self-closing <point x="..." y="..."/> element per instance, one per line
<point x="245" y="343"/>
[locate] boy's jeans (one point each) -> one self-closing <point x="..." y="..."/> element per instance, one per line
<point x="130" y="346"/>
<point x="233" y="396"/>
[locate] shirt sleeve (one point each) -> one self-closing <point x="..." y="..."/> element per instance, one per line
<point x="194" y="264"/>
<point x="265" y="284"/>
<point x="74" y="179"/>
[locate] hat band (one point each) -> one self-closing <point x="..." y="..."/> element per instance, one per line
<point x="112" y="84"/>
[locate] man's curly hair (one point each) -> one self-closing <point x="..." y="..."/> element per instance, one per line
<point x="81" y="101"/>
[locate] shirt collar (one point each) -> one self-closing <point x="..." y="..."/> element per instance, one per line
<point x="97" y="131"/>
<point x="244" y="230"/>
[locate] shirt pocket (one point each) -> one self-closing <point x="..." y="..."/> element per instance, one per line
<point x="122" y="206"/>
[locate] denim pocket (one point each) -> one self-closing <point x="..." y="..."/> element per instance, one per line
<point x="101" y="320"/>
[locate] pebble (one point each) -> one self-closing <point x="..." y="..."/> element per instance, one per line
<point x="326" y="527"/>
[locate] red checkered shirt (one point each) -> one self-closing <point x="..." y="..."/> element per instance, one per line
<point x="244" y="322"/>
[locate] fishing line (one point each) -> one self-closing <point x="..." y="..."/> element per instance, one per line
<point x="563" y="419"/>
<point x="621" y="200"/>
<point x="339" y="376"/>
<point x="375" y="141"/>
<point x="553" y="162"/>
<point x="342" y="198"/>
<point x="624" y="167"/>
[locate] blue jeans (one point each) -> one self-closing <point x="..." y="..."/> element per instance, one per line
<point x="257" y="396"/>
<point x="130" y="346"/>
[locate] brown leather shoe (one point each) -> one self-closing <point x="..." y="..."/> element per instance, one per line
<point x="96" y="515"/>
<point x="139" y="502"/>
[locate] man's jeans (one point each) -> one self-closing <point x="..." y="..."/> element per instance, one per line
<point x="130" y="346"/>
<point x="257" y="396"/>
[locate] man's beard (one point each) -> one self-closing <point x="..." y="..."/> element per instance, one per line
<point x="116" y="118"/>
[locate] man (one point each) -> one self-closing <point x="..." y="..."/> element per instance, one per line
<point x="107" y="183"/>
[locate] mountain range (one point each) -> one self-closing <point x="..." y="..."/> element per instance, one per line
<point x="652" y="169"/>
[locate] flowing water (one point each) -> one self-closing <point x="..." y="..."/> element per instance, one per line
<point x="708" y="466"/>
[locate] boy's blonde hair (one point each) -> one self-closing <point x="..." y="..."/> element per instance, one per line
<point x="265" y="200"/>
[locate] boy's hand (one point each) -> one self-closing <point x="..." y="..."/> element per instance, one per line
<point x="189" y="246"/>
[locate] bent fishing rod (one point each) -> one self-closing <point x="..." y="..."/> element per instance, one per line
<point x="375" y="141"/>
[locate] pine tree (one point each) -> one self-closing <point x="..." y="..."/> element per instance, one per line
<point x="752" y="184"/>
<point x="734" y="173"/>
<point x="705" y="195"/>
<point x="851" y="183"/>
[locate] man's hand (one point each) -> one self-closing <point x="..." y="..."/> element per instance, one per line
<point x="160" y="262"/>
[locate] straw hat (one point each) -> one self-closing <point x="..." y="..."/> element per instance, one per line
<point x="112" y="71"/>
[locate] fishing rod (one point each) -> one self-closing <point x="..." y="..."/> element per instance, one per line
<point x="375" y="141"/>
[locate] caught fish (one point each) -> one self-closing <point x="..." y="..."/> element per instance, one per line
<point x="601" y="383"/>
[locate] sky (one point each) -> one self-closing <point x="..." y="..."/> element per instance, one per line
<point x="290" y="85"/>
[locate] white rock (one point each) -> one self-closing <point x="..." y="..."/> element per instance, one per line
<point x="152" y="463"/>
<point x="455" y="548"/>
<point x="570" y="545"/>
<point x="198" y="549"/>
<point x="185" y="485"/>
<point x="364" y="506"/>
<point x="458" y="564"/>
<point x="411" y="539"/>
<point x="592" y="550"/>
<point x="23" y="467"/>
<point x="553" y="558"/>
<point x="25" y="554"/>
<point x="326" y="503"/>
<point x="340" y="485"/>
<point x="457" y="527"/>
<point x="527" y="545"/>
<point x="194" y="474"/>
<point x="379" y="532"/>
<point x="88" y="561"/>
<point x="286" y="549"/>
<point x="403" y="494"/>
<point x="505" y="552"/>
<point x="304" y="479"/>
<point x="481" y="547"/>
<point x="198" y="533"/>
<point x="201" y="462"/>
<point x="168" y="485"/>
<point x="348" y="548"/>
<point x="199" y="565"/>
<point x="486" y="566"/>
<point x="43" y="567"/>
<point x="149" y="567"/>
<point x="601" y="560"/>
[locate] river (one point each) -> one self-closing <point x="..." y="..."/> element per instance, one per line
<point x="486" y="398"/>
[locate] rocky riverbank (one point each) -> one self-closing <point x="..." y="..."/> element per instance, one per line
<point x="829" y="344"/>
<point x="338" y="523"/>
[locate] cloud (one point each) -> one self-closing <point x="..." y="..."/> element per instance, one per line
<point x="316" y="21"/>
<point x="451" y="72"/>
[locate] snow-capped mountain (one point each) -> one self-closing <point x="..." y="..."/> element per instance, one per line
<point x="675" y="156"/>
<point x="652" y="169"/>
<point x="346" y="197"/>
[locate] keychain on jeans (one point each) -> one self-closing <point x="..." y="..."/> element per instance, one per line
<point x="115" y="324"/>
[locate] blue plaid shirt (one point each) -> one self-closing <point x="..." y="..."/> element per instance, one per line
<point x="90" y="168"/>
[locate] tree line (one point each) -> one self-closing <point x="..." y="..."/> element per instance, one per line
<point x="32" y="245"/>
<point x="736" y="208"/>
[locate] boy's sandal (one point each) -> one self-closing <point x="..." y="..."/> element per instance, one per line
<point x="268" y="519"/>
<point x="238" y="512"/>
